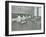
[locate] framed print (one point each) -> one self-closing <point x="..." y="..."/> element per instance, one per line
<point x="24" y="18"/>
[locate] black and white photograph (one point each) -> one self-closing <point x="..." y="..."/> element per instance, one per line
<point x="24" y="18"/>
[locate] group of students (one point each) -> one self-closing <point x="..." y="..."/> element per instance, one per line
<point x="21" y="19"/>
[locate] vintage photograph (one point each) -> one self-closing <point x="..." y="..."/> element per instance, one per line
<point x="25" y="17"/>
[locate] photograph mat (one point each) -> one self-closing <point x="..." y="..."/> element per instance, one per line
<point x="26" y="31"/>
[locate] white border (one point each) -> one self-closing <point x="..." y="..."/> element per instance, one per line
<point x="28" y="31"/>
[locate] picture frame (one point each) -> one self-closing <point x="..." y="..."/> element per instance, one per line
<point x="18" y="10"/>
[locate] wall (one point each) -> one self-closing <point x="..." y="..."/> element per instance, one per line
<point x="2" y="19"/>
<point x="22" y="9"/>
